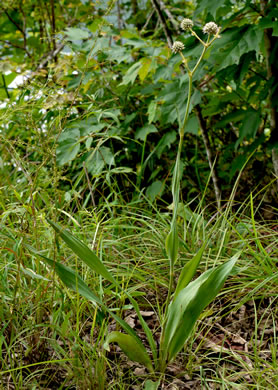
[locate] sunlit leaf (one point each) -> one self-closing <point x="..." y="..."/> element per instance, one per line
<point x="145" y="67"/>
<point x="188" y="305"/>
<point x="134" y="351"/>
<point x="75" y="34"/>
<point x="84" y="252"/>
<point x="189" y="271"/>
<point x="67" y="151"/>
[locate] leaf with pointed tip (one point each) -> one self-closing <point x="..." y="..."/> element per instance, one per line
<point x="72" y="280"/>
<point x="88" y="256"/>
<point x="172" y="245"/>
<point x="85" y="253"/>
<point x="186" y="308"/>
<point x="189" y="271"/>
<point x="134" y="351"/>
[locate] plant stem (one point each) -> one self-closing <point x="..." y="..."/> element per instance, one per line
<point x="172" y="240"/>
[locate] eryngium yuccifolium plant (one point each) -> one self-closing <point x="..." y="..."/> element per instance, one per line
<point x="185" y="301"/>
<point x="186" y="24"/>
<point x="210" y="28"/>
<point x="177" y="46"/>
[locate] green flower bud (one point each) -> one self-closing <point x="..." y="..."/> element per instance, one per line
<point x="211" y="28"/>
<point x="177" y="46"/>
<point x="186" y="24"/>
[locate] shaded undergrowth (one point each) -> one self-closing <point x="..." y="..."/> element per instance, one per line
<point x="52" y="338"/>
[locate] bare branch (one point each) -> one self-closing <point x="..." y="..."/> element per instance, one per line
<point x="170" y="16"/>
<point x="204" y="131"/>
<point x="53" y="25"/>
<point x="119" y="16"/>
<point x="163" y="23"/>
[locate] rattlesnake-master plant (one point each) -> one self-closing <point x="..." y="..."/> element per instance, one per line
<point x="184" y="305"/>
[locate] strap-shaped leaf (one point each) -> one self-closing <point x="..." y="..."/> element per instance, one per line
<point x="189" y="271"/>
<point x="172" y="245"/>
<point x="133" y="350"/>
<point x="85" y="253"/>
<point x="188" y="305"/>
<point x="69" y="277"/>
<point x="89" y="258"/>
<point x="73" y="281"/>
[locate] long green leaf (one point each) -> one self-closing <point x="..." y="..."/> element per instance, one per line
<point x="188" y="305"/>
<point x="89" y="258"/>
<point x="85" y="253"/>
<point x="73" y="281"/>
<point x="69" y="277"/>
<point x="172" y="244"/>
<point x="134" y="351"/>
<point x="189" y="271"/>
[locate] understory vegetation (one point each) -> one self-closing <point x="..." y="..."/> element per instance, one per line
<point x="138" y="194"/>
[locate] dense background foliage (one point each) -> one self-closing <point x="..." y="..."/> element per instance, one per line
<point x="102" y="93"/>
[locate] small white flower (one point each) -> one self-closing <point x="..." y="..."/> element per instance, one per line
<point x="186" y="24"/>
<point x="211" y="28"/>
<point x="177" y="46"/>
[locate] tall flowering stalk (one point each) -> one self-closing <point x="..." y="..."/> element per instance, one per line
<point x="172" y="245"/>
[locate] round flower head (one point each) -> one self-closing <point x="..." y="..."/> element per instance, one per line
<point x="210" y="28"/>
<point x="177" y="46"/>
<point x="186" y="24"/>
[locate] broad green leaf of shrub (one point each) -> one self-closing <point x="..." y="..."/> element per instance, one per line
<point x="234" y="117"/>
<point x="75" y="34"/>
<point x="144" y="69"/>
<point x="72" y="133"/>
<point x="145" y="131"/>
<point x="134" y="351"/>
<point x="249" y="125"/>
<point x="67" y="151"/>
<point x="155" y="189"/>
<point x="119" y="54"/>
<point x="188" y="305"/>
<point x="192" y="125"/>
<point x="98" y="158"/>
<point x="152" y="111"/>
<point x="166" y="141"/>
<point x="210" y="6"/>
<point x="131" y="74"/>
<point x="233" y="44"/>
<point x="269" y="22"/>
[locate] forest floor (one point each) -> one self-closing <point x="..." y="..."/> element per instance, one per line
<point x="52" y="338"/>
